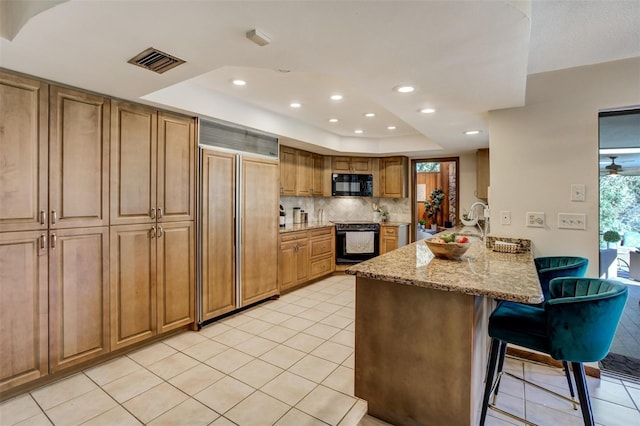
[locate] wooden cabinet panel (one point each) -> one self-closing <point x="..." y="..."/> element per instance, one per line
<point x="176" y="174"/>
<point x="288" y="171"/>
<point x="78" y="158"/>
<point x="361" y="165"/>
<point x="318" y="181"/>
<point x="218" y="233"/>
<point x="294" y="259"/>
<point x="393" y="177"/>
<point x="133" y="163"/>
<point x="287" y="275"/>
<point x="341" y="164"/>
<point x="303" y="257"/>
<point x="357" y="165"/>
<point x="175" y="275"/>
<point x="482" y="173"/>
<point x="23" y="307"/>
<point x="304" y="183"/>
<point x="259" y="229"/>
<point x="321" y="266"/>
<point x="132" y="284"/>
<point x="78" y="296"/>
<point x="24" y="113"/>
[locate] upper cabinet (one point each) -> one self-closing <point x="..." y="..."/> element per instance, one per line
<point x="393" y="177"/>
<point x="303" y="173"/>
<point x="288" y="171"/>
<point x="482" y="174"/>
<point x="23" y="153"/>
<point x="355" y="165"/>
<point x="152" y="165"/>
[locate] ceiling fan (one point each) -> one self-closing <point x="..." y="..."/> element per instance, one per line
<point x="613" y="168"/>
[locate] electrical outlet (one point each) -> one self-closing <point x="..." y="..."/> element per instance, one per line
<point x="535" y="219"/>
<point x="505" y="217"/>
<point x="577" y="192"/>
<point x="572" y="221"/>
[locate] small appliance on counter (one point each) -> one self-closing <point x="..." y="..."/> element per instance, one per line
<point x="282" y="216"/>
<point x="296" y="215"/>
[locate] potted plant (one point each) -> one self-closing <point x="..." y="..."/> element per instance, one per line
<point x="611" y="237"/>
<point x="433" y="205"/>
<point x="421" y="224"/>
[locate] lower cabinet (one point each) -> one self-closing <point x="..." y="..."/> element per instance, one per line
<point x="305" y="255"/>
<point x="152" y="275"/>
<point x="23" y="307"/>
<point x="393" y="237"/>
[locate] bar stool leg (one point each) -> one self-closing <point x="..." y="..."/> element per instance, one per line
<point x="583" y="393"/>
<point x="493" y="356"/>
<point x="501" y="355"/>
<point x="565" y="366"/>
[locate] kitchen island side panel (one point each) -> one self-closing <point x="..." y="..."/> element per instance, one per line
<point x="419" y="353"/>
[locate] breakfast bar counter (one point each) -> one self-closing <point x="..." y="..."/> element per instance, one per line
<point x="421" y="329"/>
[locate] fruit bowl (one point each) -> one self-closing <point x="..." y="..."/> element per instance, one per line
<point x="449" y="251"/>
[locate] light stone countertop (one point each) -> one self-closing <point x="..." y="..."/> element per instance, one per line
<point x="293" y="227"/>
<point x="480" y="271"/>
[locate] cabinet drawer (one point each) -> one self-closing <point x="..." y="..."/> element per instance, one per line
<point x="322" y="266"/>
<point x="322" y="232"/>
<point x="389" y="230"/>
<point x="292" y="236"/>
<point x="321" y="247"/>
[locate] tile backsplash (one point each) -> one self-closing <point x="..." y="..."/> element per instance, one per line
<point x="347" y="208"/>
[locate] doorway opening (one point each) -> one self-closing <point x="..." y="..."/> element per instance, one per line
<point x="435" y="193"/>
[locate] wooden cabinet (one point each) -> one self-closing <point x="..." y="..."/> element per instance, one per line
<point x="78" y="295"/>
<point x="259" y="213"/>
<point x="320" y="179"/>
<point x="24" y="112"/>
<point x="24" y="310"/>
<point x="305" y="174"/>
<point x="393" y="177"/>
<point x="152" y="165"/>
<point x="175" y="275"/>
<point x="482" y="174"/>
<point x="322" y="260"/>
<point x="294" y="259"/>
<point x="218" y="171"/>
<point x="393" y="237"/>
<point x="288" y="171"/>
<point x="356" y="165"/>
<point x="78" y="159"/>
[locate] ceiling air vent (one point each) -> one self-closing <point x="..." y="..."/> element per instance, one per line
<point x="155" y="60"/>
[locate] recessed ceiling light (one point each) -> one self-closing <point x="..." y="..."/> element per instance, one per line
<point x="358" y="131"/>
<point x="391" y="127"/>
<point x="295" y="104"/>
<point x="336" y="97"/>
<point x="333" y="120"/>
<point x="369" y="114"/>
<point x="239" y="82"/>
<point x="472" y="132"/>
<point x="427" y="110"/>
<point x="404" y="89"/>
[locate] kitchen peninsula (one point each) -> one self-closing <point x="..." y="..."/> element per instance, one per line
<point x="421" y="329"/>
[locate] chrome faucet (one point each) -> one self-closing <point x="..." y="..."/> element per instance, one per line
<point x="485" y="216"/>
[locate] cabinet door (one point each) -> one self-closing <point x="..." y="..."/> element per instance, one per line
<point x="482" y="173"/>
<point x="393" y="177"/>
<point x="259" y="229"/>
<point x="304" y="182"/>
<point x="24" y="113"/>
<point x="287" y="262"/>
<point x="23" y="307"/>
<point x="361" y="165"/>
<point x="175" y="275"/>
<point x="176" y="154"/>
<point x="78" y="158"/>
<point x="133" y="163"/>
<point x="318" y="175"/>
<point x="388" y="243"/>
<point x="341" y="164"/>
<point x="288" y="169"/>
<point x="132" y="284"/>
<point x="303" y="260"/>
<point x="218" y="233"/>
<point x="78" y="296"/>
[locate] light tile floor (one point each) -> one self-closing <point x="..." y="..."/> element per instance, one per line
<point x="284" y="362"/>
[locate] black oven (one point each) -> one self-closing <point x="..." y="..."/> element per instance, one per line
<point x="351" y="185"/>
<point x="356" y="242"/>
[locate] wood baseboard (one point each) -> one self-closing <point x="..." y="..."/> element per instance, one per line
<point x="546" y="359"/>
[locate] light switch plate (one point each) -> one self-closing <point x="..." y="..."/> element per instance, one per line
<point x="577" y="192"/>
<point x="572" y="221"/>
<point x="534" y="219"/>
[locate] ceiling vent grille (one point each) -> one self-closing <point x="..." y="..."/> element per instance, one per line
<point x="155" y="60"/>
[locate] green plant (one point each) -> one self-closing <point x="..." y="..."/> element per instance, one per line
<point x="611" y="237"/>
<point x="422" y="222"/>
<point x="433" y="205"/>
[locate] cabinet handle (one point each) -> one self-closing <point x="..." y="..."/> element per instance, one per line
<point x="54" y="217"/>
<point x="160" y="213"/>
<point x="43" y="241"/>
<point x="153" y="232"/>
<point x="160" y="232"/>
<point x="153" y="213"/>
<point x="54" y="240"/>
<point x="43" y="217"/>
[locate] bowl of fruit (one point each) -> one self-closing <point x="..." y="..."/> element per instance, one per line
<point x="448" y="246"/>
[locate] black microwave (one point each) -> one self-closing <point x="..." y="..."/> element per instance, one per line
<point x="351" y="185"/>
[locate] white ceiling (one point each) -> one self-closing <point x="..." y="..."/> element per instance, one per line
<point x="465" y="58"/>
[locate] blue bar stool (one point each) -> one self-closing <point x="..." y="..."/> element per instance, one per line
<point x="576" y="325"/>
<point x="548" y="268"/>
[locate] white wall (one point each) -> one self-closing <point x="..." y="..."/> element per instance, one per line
<point x="539" y="150"/>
